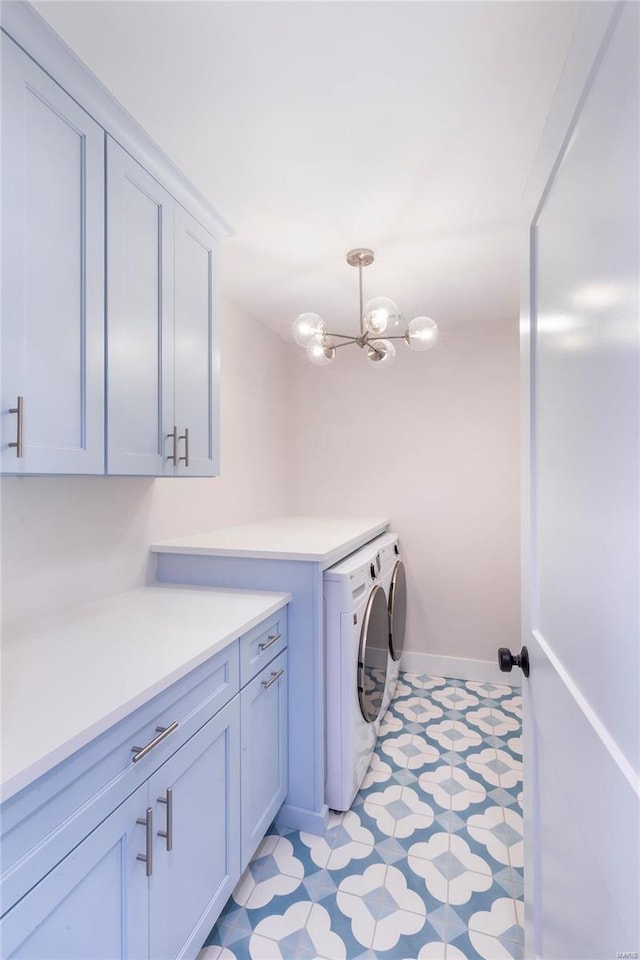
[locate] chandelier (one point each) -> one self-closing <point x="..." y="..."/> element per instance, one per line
<point x="377" y="317"/>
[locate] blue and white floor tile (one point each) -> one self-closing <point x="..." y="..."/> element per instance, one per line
<point x="427" y="864"/>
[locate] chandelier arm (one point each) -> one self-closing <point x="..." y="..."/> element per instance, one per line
<point x="343" y="336"/>
<point x="402" y="336"/>
<point x="347" y="343"/>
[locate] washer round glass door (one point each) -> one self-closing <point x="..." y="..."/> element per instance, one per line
<point x="372" y="655"/>
<point x="397" y="610"/>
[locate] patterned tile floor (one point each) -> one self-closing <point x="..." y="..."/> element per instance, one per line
<point x="428" y="862"/>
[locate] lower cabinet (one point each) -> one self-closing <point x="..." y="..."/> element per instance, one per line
<point x="147" y="881"/>
<point x="95" y="903"/>
<point x="195" y="802"/>
<point x="264" y="752"/>
<point x="150" y="880"/>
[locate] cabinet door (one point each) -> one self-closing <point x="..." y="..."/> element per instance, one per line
<point x="94" y="903"/>
<point x="52" y="275"/>
<point x="192" y="881"/>
<point x="139" y="319"/>
<point x="197" y="372"/>
<point x="264" y="752"/>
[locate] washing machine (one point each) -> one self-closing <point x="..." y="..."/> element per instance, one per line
<point x="357" y="660"/>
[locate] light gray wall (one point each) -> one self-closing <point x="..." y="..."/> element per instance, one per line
<point x="66" y="541"/>
<point x="432" y="442"/>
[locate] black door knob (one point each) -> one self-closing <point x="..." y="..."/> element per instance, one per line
<point x="507" y="660"/>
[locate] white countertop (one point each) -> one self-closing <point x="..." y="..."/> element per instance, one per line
<point x="318" y="539"/>
<point x="68" y="679"/>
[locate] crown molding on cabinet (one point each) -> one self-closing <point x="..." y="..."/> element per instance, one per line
<point x="33" y="34"/>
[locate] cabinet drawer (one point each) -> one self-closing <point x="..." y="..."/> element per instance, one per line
<point x="47" y="819"/>
<point x="260" y="645"/>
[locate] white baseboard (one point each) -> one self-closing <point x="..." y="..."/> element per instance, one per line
<point x="458" y="668"/>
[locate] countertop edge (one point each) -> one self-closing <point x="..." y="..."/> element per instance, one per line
<point x="329" y="557"/>
<point x="354" y="544"/>
<point x="28" y="775"/>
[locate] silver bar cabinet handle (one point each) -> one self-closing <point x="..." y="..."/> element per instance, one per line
<point x="185" y="437"/>
<point x="147" y="857"/>
<point x="19" y="441"/>
<point x="269" y="641"/>
<point x="173" y="456"/>
<point x="168" y="833"/>
<point x="274" y="676"/>
<point x="163" y="733"/>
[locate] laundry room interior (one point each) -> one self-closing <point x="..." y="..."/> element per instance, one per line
<point x="320" y="467"/>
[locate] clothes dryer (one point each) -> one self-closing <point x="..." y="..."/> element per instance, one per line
<point x="394" y="583"/>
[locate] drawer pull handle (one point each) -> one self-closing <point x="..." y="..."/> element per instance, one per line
<point x="163" y="733"/>
<point x="269" y="641"/>
<point x="274" y="676"/>
<point x="18" y="444"/>
<point x="168" y="833"/>
<point x="148" y="856"/>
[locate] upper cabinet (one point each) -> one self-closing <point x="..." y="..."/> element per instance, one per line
<point x="109" y="338"/>
<point x="161" y="350"/>
<point x="140" y="259"/>
<point x="52" y="276"/>
<point x="196" y="349"/>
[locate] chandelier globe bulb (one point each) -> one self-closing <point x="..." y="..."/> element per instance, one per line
<point x="380" y="353"/>
<point x="382" y="315"/>
<point x="321" y="350"/>
<point x="306" y="326"/>
<point x="422" y="333"/>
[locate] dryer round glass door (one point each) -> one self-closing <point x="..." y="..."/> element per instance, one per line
<point x="397" y="610"/>
<point x="372" y="655"/>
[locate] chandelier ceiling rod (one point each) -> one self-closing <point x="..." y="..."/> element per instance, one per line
<point x="361" y="299"/>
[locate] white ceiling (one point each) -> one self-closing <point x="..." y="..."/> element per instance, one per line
<point x="316" y="127"/>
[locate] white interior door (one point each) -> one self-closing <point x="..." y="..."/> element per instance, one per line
<point x="580" y="349"/>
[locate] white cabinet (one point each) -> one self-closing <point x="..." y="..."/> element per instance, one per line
<point x="162" y="352"/>
<point x="195" y="799"/>
<point x="140" y="218"/>
<point x="264" y="752"/>
<point x="196" y="350"/>
<point x="147" y="881"/>
<point x="69" y="153"/>
<point x="92" y="904"/>
<point x="131" y="847"/>
<point x="52" y="401"/>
